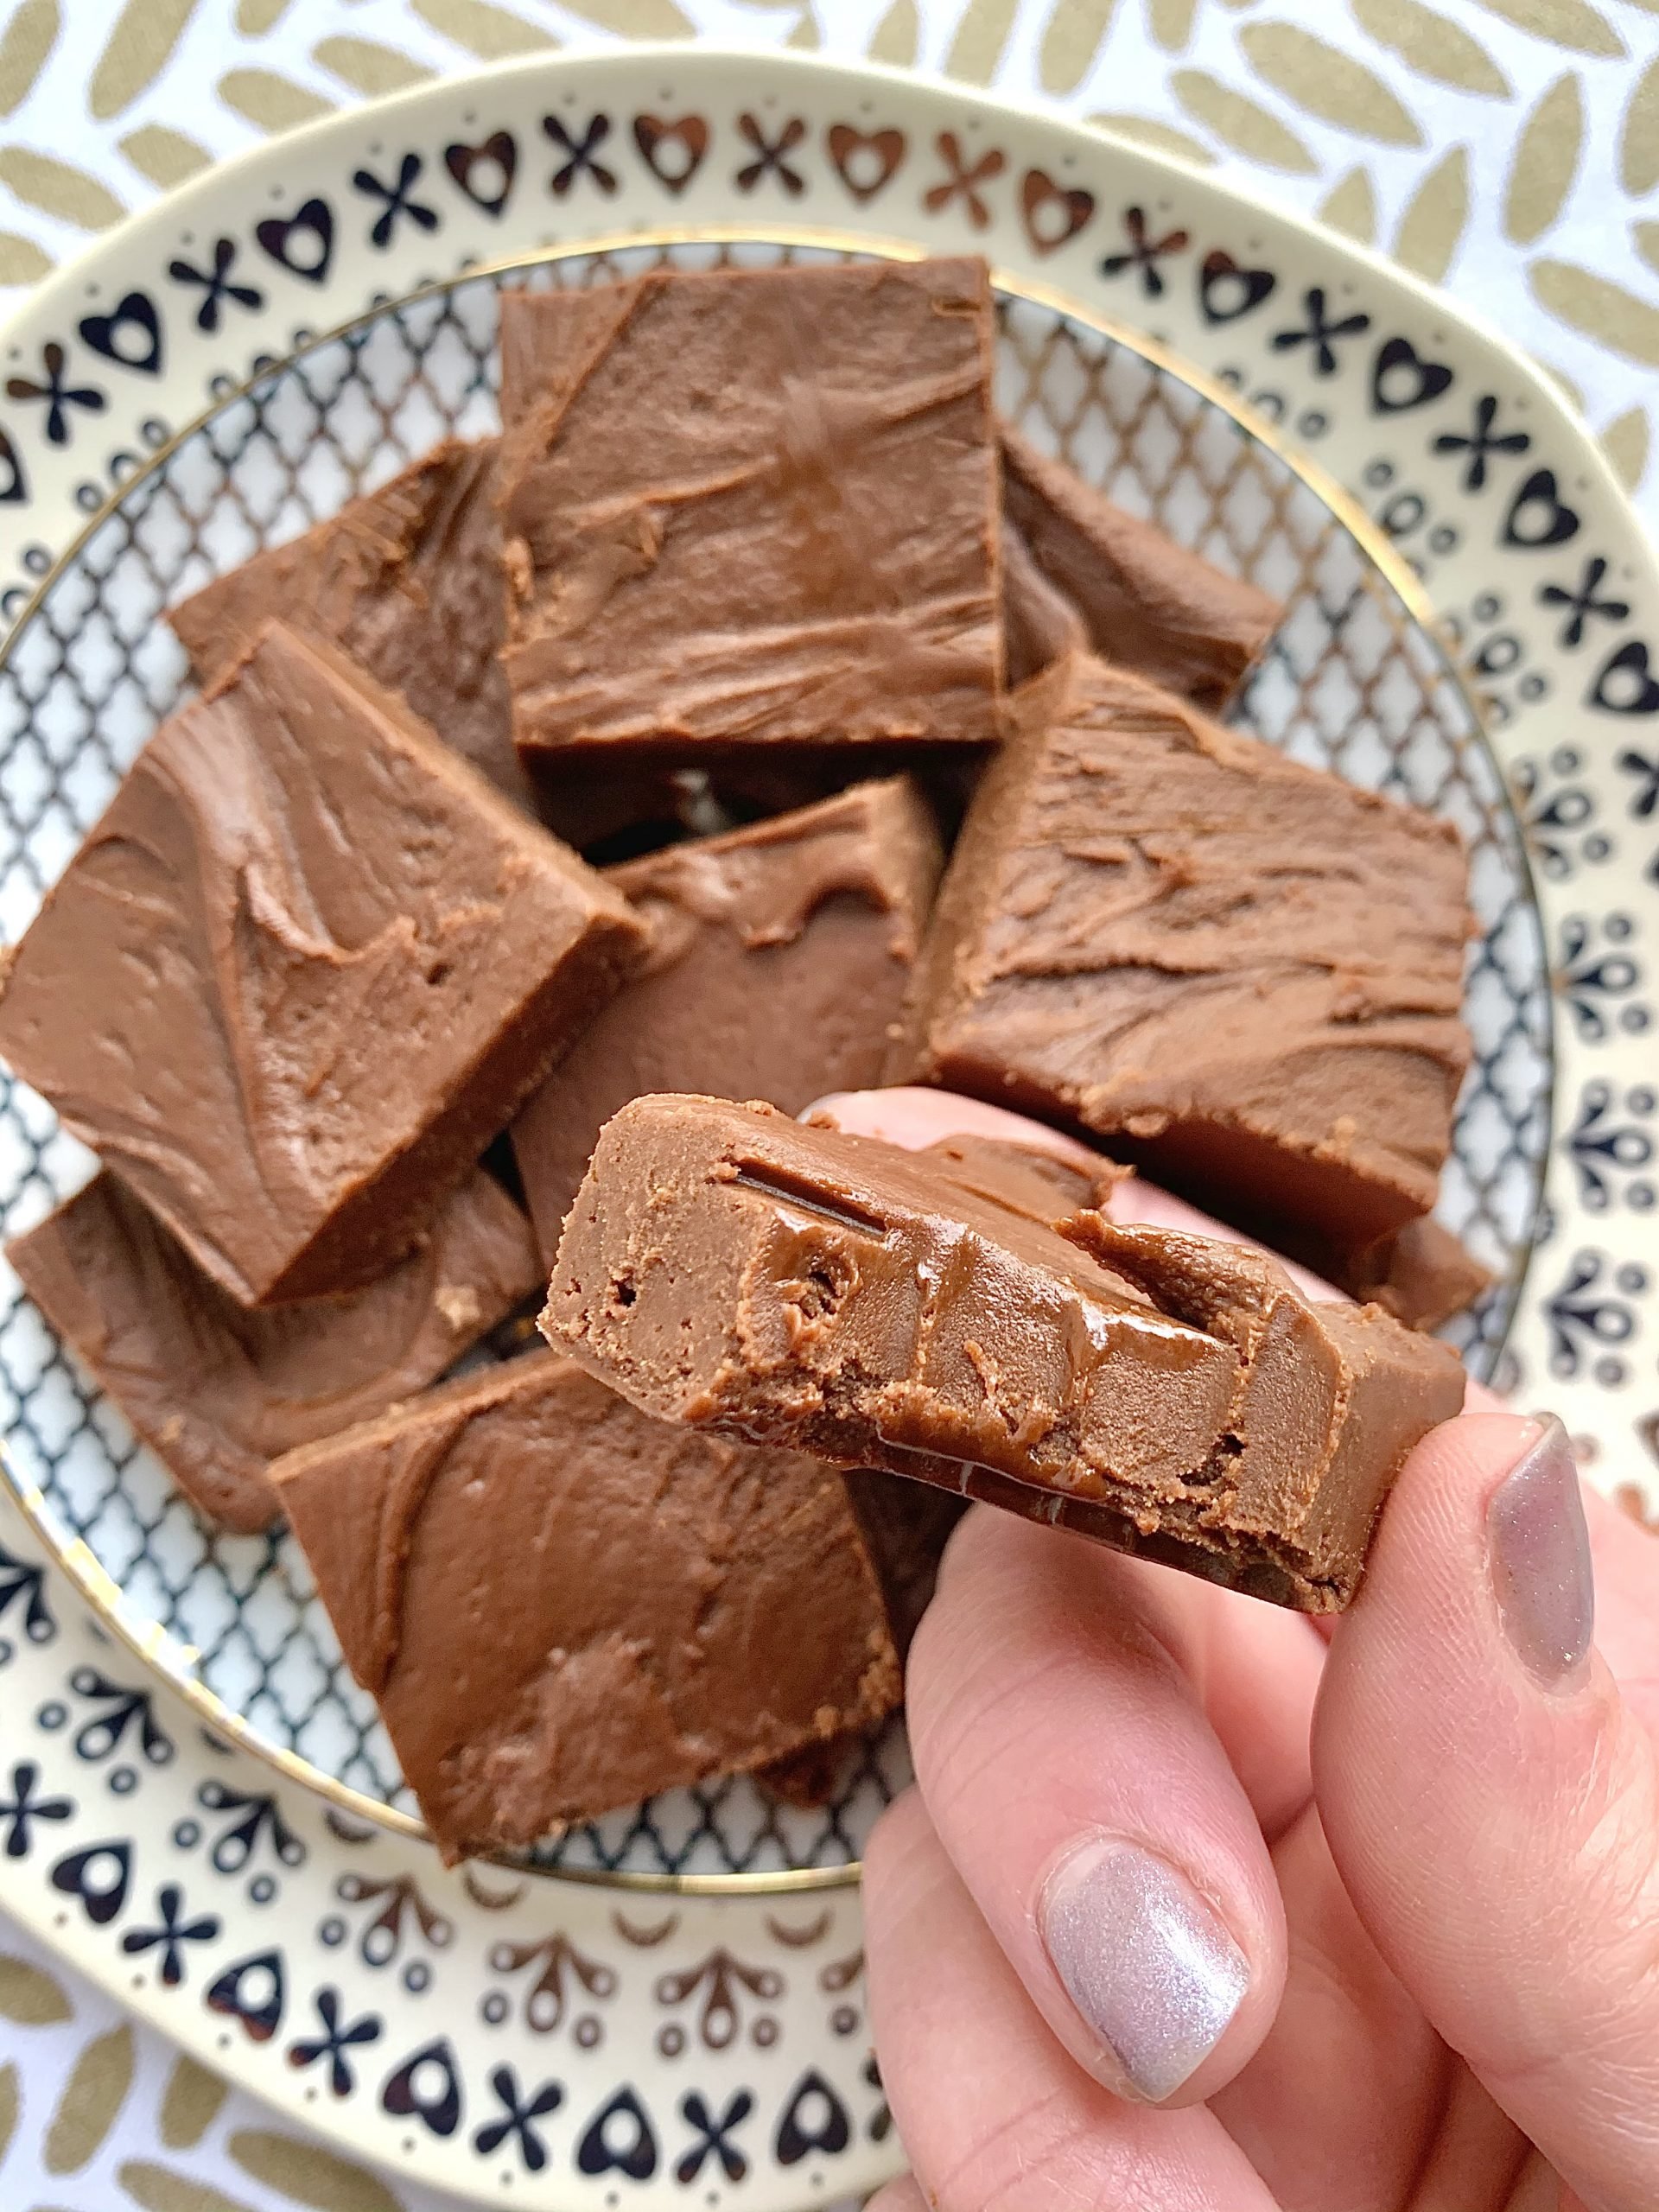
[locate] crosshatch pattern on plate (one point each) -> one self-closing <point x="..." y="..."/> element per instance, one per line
<point x="1349" y="682"/>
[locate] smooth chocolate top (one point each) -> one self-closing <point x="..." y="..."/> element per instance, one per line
<point x="800" y="548"/>
<point x="563" y="1606"/>
<point x="300" y="973"/>
<point x="1246" y="972"/>
<point x="1143" y="602"/>
<point x="779" y="958"/>
<point x="219" y="1391"/>
<point x="727" y="1267"/>
<point x="407" y="582"/>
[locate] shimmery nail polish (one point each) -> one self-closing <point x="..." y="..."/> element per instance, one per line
<point x="1540" y="1558"/>
<point x="1145" y="1959"/>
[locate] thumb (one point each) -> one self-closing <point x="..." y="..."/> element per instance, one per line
<point x="1492" y="1803"/>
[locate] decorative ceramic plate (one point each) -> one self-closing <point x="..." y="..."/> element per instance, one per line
<point x="195" y="1801"/>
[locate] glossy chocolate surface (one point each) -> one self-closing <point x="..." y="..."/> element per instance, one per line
<point x="730" y="1269"/>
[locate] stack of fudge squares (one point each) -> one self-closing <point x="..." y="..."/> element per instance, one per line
<point x="755" y="717"/>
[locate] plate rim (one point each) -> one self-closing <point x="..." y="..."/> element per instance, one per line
<point x="52" y="298"/>
<point x="201" y="190"/>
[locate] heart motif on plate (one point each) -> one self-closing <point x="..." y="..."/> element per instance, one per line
<point x="672" y="151"/>
<point x="1538" y="515"/>
<point x="1401" y="378"/>
<point x="485" y="172"/>
<point x="14" y="485"/>
<point x="303" y="243"/>
<point x="1054" y="213"/>
<point x="1627" y="684"/>
<point x="864" y="160"/>
<point x="1227" y="290"/>
<point x="131" y="336"/>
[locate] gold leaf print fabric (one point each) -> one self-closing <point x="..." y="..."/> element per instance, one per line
<point x="1350" y="208"/>
<point x="482" y="29"/>
<point x="367" y="68"/>
<point x="139" y="47"/>
<point x="1432" y="45"/>
<point x="1072" y="41"/>
<point x="192" y="2098"/>
<point x="1243" y="124"/>
<point x="91" y="2097"/>
<point x="1570" y="23"/>
<point x="28" y="38"/>
<point x="164" y="156"/>
<point x="307" y="2173"/>
<point x="1638" y="148"/>
<point x="1323" y="81"/>
<point x="896" y="35"/>
<point x="1435" y="215"/>
<point x="1544" y="162"/>
<point x="975" y="50"/>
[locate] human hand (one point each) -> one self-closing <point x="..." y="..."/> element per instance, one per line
<point x="1198" y="1907"/>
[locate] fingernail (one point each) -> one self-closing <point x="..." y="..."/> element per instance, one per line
<point x="1540" y="1558"/>
<point x="1145" y="1959"/>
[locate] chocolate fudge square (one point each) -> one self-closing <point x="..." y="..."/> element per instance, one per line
<point x="736" y="1271"/>
<point x="751" y="509"/>
<point x="1243" y="974"/>
<point x="779" y="958"/>
<point x="1422" y="1274"/>
<point x="301" y="972"/>
<point x="1081" y="569"/>
<point x="219" y="1391"/>
<point x="562" y="1606"/>
<point x="407" y="582"/>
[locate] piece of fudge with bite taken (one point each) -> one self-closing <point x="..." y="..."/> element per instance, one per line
<point x="1173" y="1395"/>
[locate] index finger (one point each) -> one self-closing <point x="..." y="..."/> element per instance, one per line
<point x="1071" y="1774"/>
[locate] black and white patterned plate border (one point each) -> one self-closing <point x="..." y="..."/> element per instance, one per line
<point x="572" y="2044"/>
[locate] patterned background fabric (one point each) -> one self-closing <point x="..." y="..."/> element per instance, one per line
<point x="1507" y="147"/>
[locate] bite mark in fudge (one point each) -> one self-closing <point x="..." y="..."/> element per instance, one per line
<point x="779" y="962"/>
<point x="727" y="1268"/>
<point x="802" y="552"/>
<point x="562" y="1606"/>
<point x="1141" y="602"/>
<point x="219" y="1391"/>
<point x="407" y="582"/>
<point x="1243" y="972"/>
<point x="302" y="970"/>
